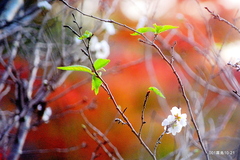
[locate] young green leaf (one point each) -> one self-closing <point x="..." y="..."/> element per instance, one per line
<point x="76" y="68"/>
<point x="160" y="29"/>
<point x="156" y="30"/>
<point x="86" y="34"/>
<point x="154" y="89"/>
<point x="100" y="63"/>
<point x="143" y="30"/>
<point x="96" y="83"/>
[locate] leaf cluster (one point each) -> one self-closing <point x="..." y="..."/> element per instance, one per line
<point x="95" y="73"/>
<point x="156" y="29"/>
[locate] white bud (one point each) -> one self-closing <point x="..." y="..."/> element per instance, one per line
<point x="109" y="28"/>
<point x="47" y="114"/>
<point x="45" y="5"/>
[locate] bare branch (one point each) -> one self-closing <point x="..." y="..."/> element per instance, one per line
<point x="106" y="140"/>
<point x="183" y="94"/>
<point x="142" y="116"/>
<point x="216" y="16"/>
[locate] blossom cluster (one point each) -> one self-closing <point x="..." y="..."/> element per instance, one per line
<point x="101" y="49"/>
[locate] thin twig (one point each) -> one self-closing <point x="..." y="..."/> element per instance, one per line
<point x="142" y="117"/>
<point x="97" y="131"/>
<point x="52" y="150"/>
<point x="105" y="85"/>
<point x="99" y="142"/>
<point x="74" y="32"/>
<point x="104" y="20"/>
<point x="170" y="63"/>
<point x="159" y="140"/>
<point x="125" y="118"/>
<point x="216" y="16"/>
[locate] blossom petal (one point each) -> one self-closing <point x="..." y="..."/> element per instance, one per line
<point x="183" y="120"/>
<point x="93" y="43"/>
<point x="169" y="120"/>
<point x="165" y="122"/>
<point x="170" y="130"/>
<point x="175" y="129"/>
<point x="104" y="50"/>
<point x="184" y="116"/>
<point x="178" y="127"/>
<point x="176" y="111"/>
<point x="109" y="28"/>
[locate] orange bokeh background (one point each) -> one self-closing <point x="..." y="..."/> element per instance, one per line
<point x="129" y="86"/>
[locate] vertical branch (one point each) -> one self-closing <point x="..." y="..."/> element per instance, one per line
<point x="9" y="73"/>
<point x="170" y="63"/>
<point x="34" y="71"/>
<point x="9" y="65"/>
<point x="104" y="84"/>
<point x="142" y="116"/>
<point x="107" y="89"/>
<point x="25" y="118"/>
<point x="159" y="141"/>
<point x="21" y="135"/>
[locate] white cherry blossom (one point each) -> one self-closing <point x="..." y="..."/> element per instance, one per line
<point x="101" y="49"/>
<point x="109" y="27"/>
<point x="174" y="123"/>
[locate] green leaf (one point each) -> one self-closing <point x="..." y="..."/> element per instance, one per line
<point x="96" y="83"/>
<point x="154" y="89"/>
<point x="143" y="30"/>
<point x="86" y="34"/>
<point x="160" y="29"/>
<point x="156" y="30"/>
<point x="100" y="63"/>
<point x="76" y="68"/>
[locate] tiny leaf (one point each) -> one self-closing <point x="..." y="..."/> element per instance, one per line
<point x="96" y="83"/>
<point x="84" y="126"/>
<point x="154" y="89"/>
<point x="160" y="29"/>
<point x="100" y="63"/>
<point x="86" y="34"/>
<point x="143" y="30"/>
<point x="76" y="68"/>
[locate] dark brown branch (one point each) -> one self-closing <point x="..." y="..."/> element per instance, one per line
<point x="142" y="116"/>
